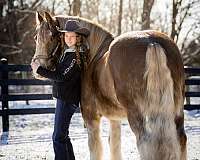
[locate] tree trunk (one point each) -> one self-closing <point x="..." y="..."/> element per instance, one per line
<point x="76" y="7"/>
<point x="53" y="7"/>
<point x="120" y="17"/>
<point x="12" y="23"/>
<point x="147" y="6"/>
<point x="174" y="15"/>
<point x="2" y="3"/>
<point x="12" y="27"/>
<point x="10" y="5"/>
<point x="22" y="4"/>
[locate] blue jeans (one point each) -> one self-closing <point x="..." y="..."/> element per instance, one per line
<point x="61" y="142"/>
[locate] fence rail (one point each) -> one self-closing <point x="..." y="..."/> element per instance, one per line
<point x="5" y="97"/>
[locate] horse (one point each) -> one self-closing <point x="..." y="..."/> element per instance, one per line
<point x="138" y="76"/>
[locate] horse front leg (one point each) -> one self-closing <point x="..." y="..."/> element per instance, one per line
<point x="94" y="139"/>
<point x="115" y="140"/>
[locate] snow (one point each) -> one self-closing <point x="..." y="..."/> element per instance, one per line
<point x="30" y="136"/>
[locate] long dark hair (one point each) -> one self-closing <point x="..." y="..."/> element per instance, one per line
<point x="82" y="51"/>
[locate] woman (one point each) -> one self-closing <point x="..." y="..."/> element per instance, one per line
<point x="66" y="86"/>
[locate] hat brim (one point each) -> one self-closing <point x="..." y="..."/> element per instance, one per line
<point x="82" y="31"/>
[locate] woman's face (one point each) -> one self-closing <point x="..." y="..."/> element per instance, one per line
<point x="70" y="38"/>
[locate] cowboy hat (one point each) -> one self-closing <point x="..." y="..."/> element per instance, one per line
<point x="74" y="26"/>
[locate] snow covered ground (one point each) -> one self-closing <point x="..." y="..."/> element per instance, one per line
<point x="30" y="136"/>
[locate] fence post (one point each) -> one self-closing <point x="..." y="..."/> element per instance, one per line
<point x="187" y="89"/>
<point x="4" y="93"/>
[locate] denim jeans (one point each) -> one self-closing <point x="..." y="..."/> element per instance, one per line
<point x="61" y="142"/>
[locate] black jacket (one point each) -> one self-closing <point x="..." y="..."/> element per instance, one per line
<point x="66" y="78"/>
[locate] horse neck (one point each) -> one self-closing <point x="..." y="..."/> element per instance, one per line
<point x="99" y="43"/>
<point x="99" y="39"/>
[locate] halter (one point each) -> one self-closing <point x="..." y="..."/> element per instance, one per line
<point x="55" y="35"/>
<point x="40" y="56"/>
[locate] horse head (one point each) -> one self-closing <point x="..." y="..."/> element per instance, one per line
<point x="48" y="42"/>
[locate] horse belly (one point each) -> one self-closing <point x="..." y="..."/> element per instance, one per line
<point x="112" y="112"/>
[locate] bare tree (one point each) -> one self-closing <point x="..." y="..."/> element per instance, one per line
<point x="147" y="6"/>
<point x="191" y="54"/>
<point x="53" y="7"/>
<point x="76" y="7"/>
<point x="22" y="4"/>
<point x="175" y="9"/>
<point x="10" y="5"/>
<point x="16" y="31"/>
<point x="111" y="16"/>
<point x="132" y="13"/>
<point x="132" y="16"/>
<point x="179" y="15"/>
<point x="12" y="23"/>
<point x="2" y="4"/>
<point x="69" y="6"/>
<point x="190" y="42"/>
<point x="120" y="17"/>
<point x="112" y="21"/>
<point x="90" y="9"/>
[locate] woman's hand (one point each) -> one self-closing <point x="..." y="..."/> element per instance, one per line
<point x="34" y="66"/>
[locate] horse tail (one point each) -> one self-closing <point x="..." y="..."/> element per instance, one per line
<point x="159" y="108"/>
<point x="159" y="83"/>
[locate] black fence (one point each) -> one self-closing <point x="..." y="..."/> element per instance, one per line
<point x="5" y="97"/>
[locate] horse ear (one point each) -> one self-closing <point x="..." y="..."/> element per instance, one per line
<point x="38" y="18"/>
<point x="48" y="18"/>
<point x="51" y="22"/>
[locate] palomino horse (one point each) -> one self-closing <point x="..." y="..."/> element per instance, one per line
<point x="138" y="76"/>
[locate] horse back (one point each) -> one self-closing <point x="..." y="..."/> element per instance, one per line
<point x="127" y="60"/>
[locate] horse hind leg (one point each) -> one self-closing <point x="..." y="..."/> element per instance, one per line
<point x="179" y="120"/>
<point x="158" y="139"/>
<point x="115" y="140"/>
<point x="94" y="139"/>
<point x="155" y="135"/>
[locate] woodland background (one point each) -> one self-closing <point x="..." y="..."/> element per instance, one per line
<point x="180" y="19"/>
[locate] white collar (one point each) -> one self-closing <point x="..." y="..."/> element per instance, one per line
<point x="70" y="50"/>
<point x="73" y="50"/>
